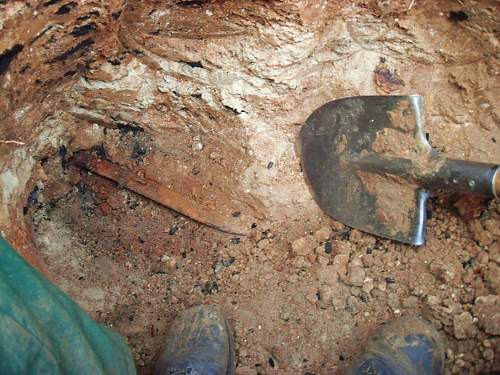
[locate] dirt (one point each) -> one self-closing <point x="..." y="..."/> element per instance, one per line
<point x="396" y="201"/>
<point x="206" y="98"/>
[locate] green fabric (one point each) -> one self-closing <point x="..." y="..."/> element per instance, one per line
<point x="42" y="331"/>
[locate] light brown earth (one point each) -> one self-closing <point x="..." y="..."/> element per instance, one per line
<point x="206" y="98"/>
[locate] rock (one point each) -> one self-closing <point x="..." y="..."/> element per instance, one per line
<point x="356" y="275"/>
<point x="489" y="354"/>
<point x="342" y="247"/>
<point x="492" y="226"/>
<point x="167" y="263"/>
<point x="368" y="285"/>
<point x="393" y="301"/>
<point x="355" y="236"/>
<point x="410" y="302"/>
<point x="341" y="261"/>
<point x="494" y="251"/>
<point x="323" y="234"/>
<point x="382" y="286"/>
<point x="433" y="301"/>
<point x="479" y="234"/>
<point x="325" y="296"/>
<point x="337" y="225"/>
<point x="353" y="305"/>
<point x="463" y="326"/>
<point x="339" y="302"/>
<point x="304" y="245"/>
<point x="328" y="275"/>
<point x="245" y="370"/>
<point x="487" y="310"/>
<point x="367" y="260"/>
<point x="441" y="272"/>
<point x="322" y="260"/>
<point x="492" y="276"/>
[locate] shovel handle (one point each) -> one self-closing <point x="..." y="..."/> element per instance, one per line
<point x="453" y="175"/>
<point x="465" y="177"/>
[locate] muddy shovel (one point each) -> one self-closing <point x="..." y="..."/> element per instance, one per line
<point x="369" y="165"/>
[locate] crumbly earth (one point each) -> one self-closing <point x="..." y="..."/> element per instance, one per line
<point x="206" y="98"/>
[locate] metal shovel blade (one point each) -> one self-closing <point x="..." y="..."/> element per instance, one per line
<point x="341" y="133"/>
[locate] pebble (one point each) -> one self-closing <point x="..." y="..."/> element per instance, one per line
<point x="479" y="234"/>
<point x="339" y="302"/>
<point x="323" y="234"/>
<point x="304" y="245"/>
<point x="410" y="302"/>
<point x="341" y="261"/>
<point x="356" y="275"/>
<point x="489" y="354"/>
<point x="343" y="247"/>
<point x="355" y="236"/>
<point x="353" y="305"/>
<point x="325" y="296"/>
<point x="367" y="260"/>
<point x="487" y="310"/>
<point x="393" y="301"/>
<point x="328" y="275"/>
<point x="463" y="326"/>
<point x="433" y="300"/>
<point x="368" y="285"/>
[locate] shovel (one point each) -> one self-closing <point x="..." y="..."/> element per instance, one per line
<point x="369" y="165"/>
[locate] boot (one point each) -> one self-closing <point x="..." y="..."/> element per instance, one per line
<point x="199" y="342"/>
<point x="406" y="346"/>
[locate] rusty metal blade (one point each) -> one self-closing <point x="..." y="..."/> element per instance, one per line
<point x="158" y="192"/>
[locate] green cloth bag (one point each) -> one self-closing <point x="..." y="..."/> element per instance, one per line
<point x="42" y="331"/>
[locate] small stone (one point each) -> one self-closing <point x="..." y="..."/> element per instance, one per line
<point x="337" y="225"/>
<point x="368" y="285"/>
<point x="353" y="305"/>
<point x="343" y="247"/>
<point x="304" y="245"/>
<point x="328" y="275"/>
<point x="341" y="261"/>
<point x="489" y="354"/>
<point x="433" y="300"/>
<point x="367" y="260"/>
<point x="463" y="326"/>
<point x="322" y="260"/>
<point x="355" y="236"/>
<point x="325" y="297"/>
<point x="323" y="234"/>
<point x="197" y="146"/>
<point x="393" y="301"/>
<point x="410" y="302"/>
<point x="312" y="296"/>
<point x="339" y="302"/>
<point x="168" y="263"/>
<point x="487" y="310"/>
<point x="382" y="286"/>
<point x="356" y="275"/>
<point x="477" y="231"/>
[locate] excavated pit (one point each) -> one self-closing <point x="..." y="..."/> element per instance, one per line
<point x="147" y="164"/>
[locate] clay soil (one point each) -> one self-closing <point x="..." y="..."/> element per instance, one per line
<point x="206" y="98"/>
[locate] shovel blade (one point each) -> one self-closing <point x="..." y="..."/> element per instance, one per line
<point x="342" y="130"/>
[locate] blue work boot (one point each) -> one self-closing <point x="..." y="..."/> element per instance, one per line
<point x="199" y="342"/>
<point x="406" y="346"/>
